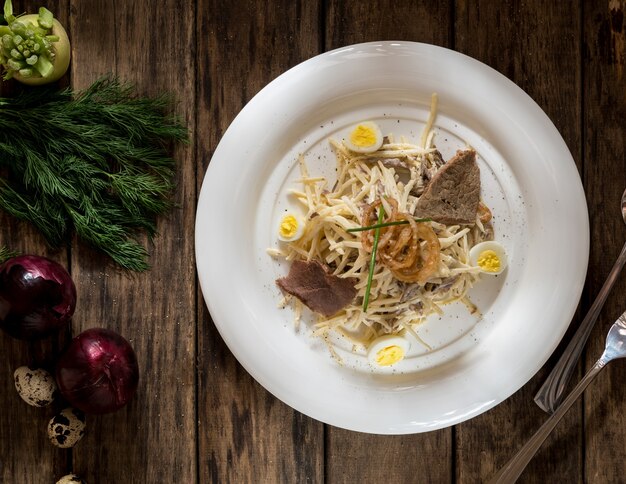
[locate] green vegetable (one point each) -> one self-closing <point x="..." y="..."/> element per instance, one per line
<point x="6" y="254"/>
<point x="31" y="46"/>
<point x="8" y="11"/>
<point x="45" y="18"/>
<point x="387" y="224"/>
<point x="368" y="288"/>
<point x="92" y="162"/>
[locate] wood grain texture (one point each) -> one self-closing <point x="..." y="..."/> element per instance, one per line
<point x="199" y="416"/>
<point x="24" y="444"/>
<point x="605" y="181"/>
<point x="353" y="457"/>
<point x="154" y="438"/>
<point x="350" y="22"/>
<point x="537" y="46"/>
<point x="245" y="434"/>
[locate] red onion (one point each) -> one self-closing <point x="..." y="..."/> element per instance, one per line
<point x="98" y="372"/>
<point x="37" y="296"/>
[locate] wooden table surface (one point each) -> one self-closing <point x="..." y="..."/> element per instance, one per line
<point x="198" y="416"/>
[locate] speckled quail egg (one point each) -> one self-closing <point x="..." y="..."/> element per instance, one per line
<point x="365" y="137"/>
<point x="291" y="227"/>
<point x="70" y="479"/>
<point x="388" y="350"/>
<point x="67" y="428"/>
<point x="36" y="387"/>
<point x="489" y="256"/>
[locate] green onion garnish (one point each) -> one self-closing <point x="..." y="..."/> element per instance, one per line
<point x="387" y="224"/>
<point x="366" y="298"/>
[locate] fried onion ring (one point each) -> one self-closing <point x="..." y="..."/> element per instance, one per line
<point x="410" y="251"/>
<point x="370" y="218"/>
<point x="427" y="262"/>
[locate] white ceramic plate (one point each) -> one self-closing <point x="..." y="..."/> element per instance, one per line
<point x="528" y="179"/>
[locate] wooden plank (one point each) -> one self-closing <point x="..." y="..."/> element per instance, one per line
<point x="605" y="179"/>
<point x="24" y="445"/>
<point x="245" y="434"/>
<point x="153" y="439"/>
<point x="353" y="457"/>
<point x="537" y="46"/>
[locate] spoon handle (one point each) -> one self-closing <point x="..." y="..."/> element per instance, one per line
<point x="549" y="395"/>
<point x="514" y="468"/>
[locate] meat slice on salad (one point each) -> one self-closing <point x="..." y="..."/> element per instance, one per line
<point x="319" y="290"/>
<point x="453" y="194"/>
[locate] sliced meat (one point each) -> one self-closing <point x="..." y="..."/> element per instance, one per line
<point x="320" y="291"/>
<point x="453" y="194"/>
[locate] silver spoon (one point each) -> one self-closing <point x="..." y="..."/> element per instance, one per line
<point x="615" y="348"/>
<point x="549" y="395"/>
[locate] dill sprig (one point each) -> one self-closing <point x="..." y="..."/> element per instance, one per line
<point x="6" y="254"/>
<point x="93" y="162"/>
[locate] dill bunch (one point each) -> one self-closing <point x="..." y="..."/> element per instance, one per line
<point x="92" y="162"/>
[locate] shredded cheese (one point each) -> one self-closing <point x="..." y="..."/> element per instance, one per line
<point x="394" y="306"/>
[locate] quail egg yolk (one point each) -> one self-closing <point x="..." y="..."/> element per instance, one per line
<point x="363" y="136"/>
<point x="288" y="226"/>
<point x="389" y="355"/>
<point x="388" y="350"/>
<point x="489" y="261"/>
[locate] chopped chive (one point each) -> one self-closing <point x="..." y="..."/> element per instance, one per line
<point x="387" y="224"/>
<point x="370" y="276"/>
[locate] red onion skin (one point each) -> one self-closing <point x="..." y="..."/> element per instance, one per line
<point x="37" y="297"/>
<point x="98" y="373"/>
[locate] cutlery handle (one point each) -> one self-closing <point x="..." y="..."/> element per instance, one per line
<point x="549" y="395"/>
<point x="514" y="468"/>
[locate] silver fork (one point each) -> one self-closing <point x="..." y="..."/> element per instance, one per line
<point x="615" y="348"/>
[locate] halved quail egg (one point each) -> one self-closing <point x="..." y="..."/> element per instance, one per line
<point x="291" y="227"/>
<point x="489" y="256"/>
<point x="365" y="137"/>
<point x="388" y="350"/>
